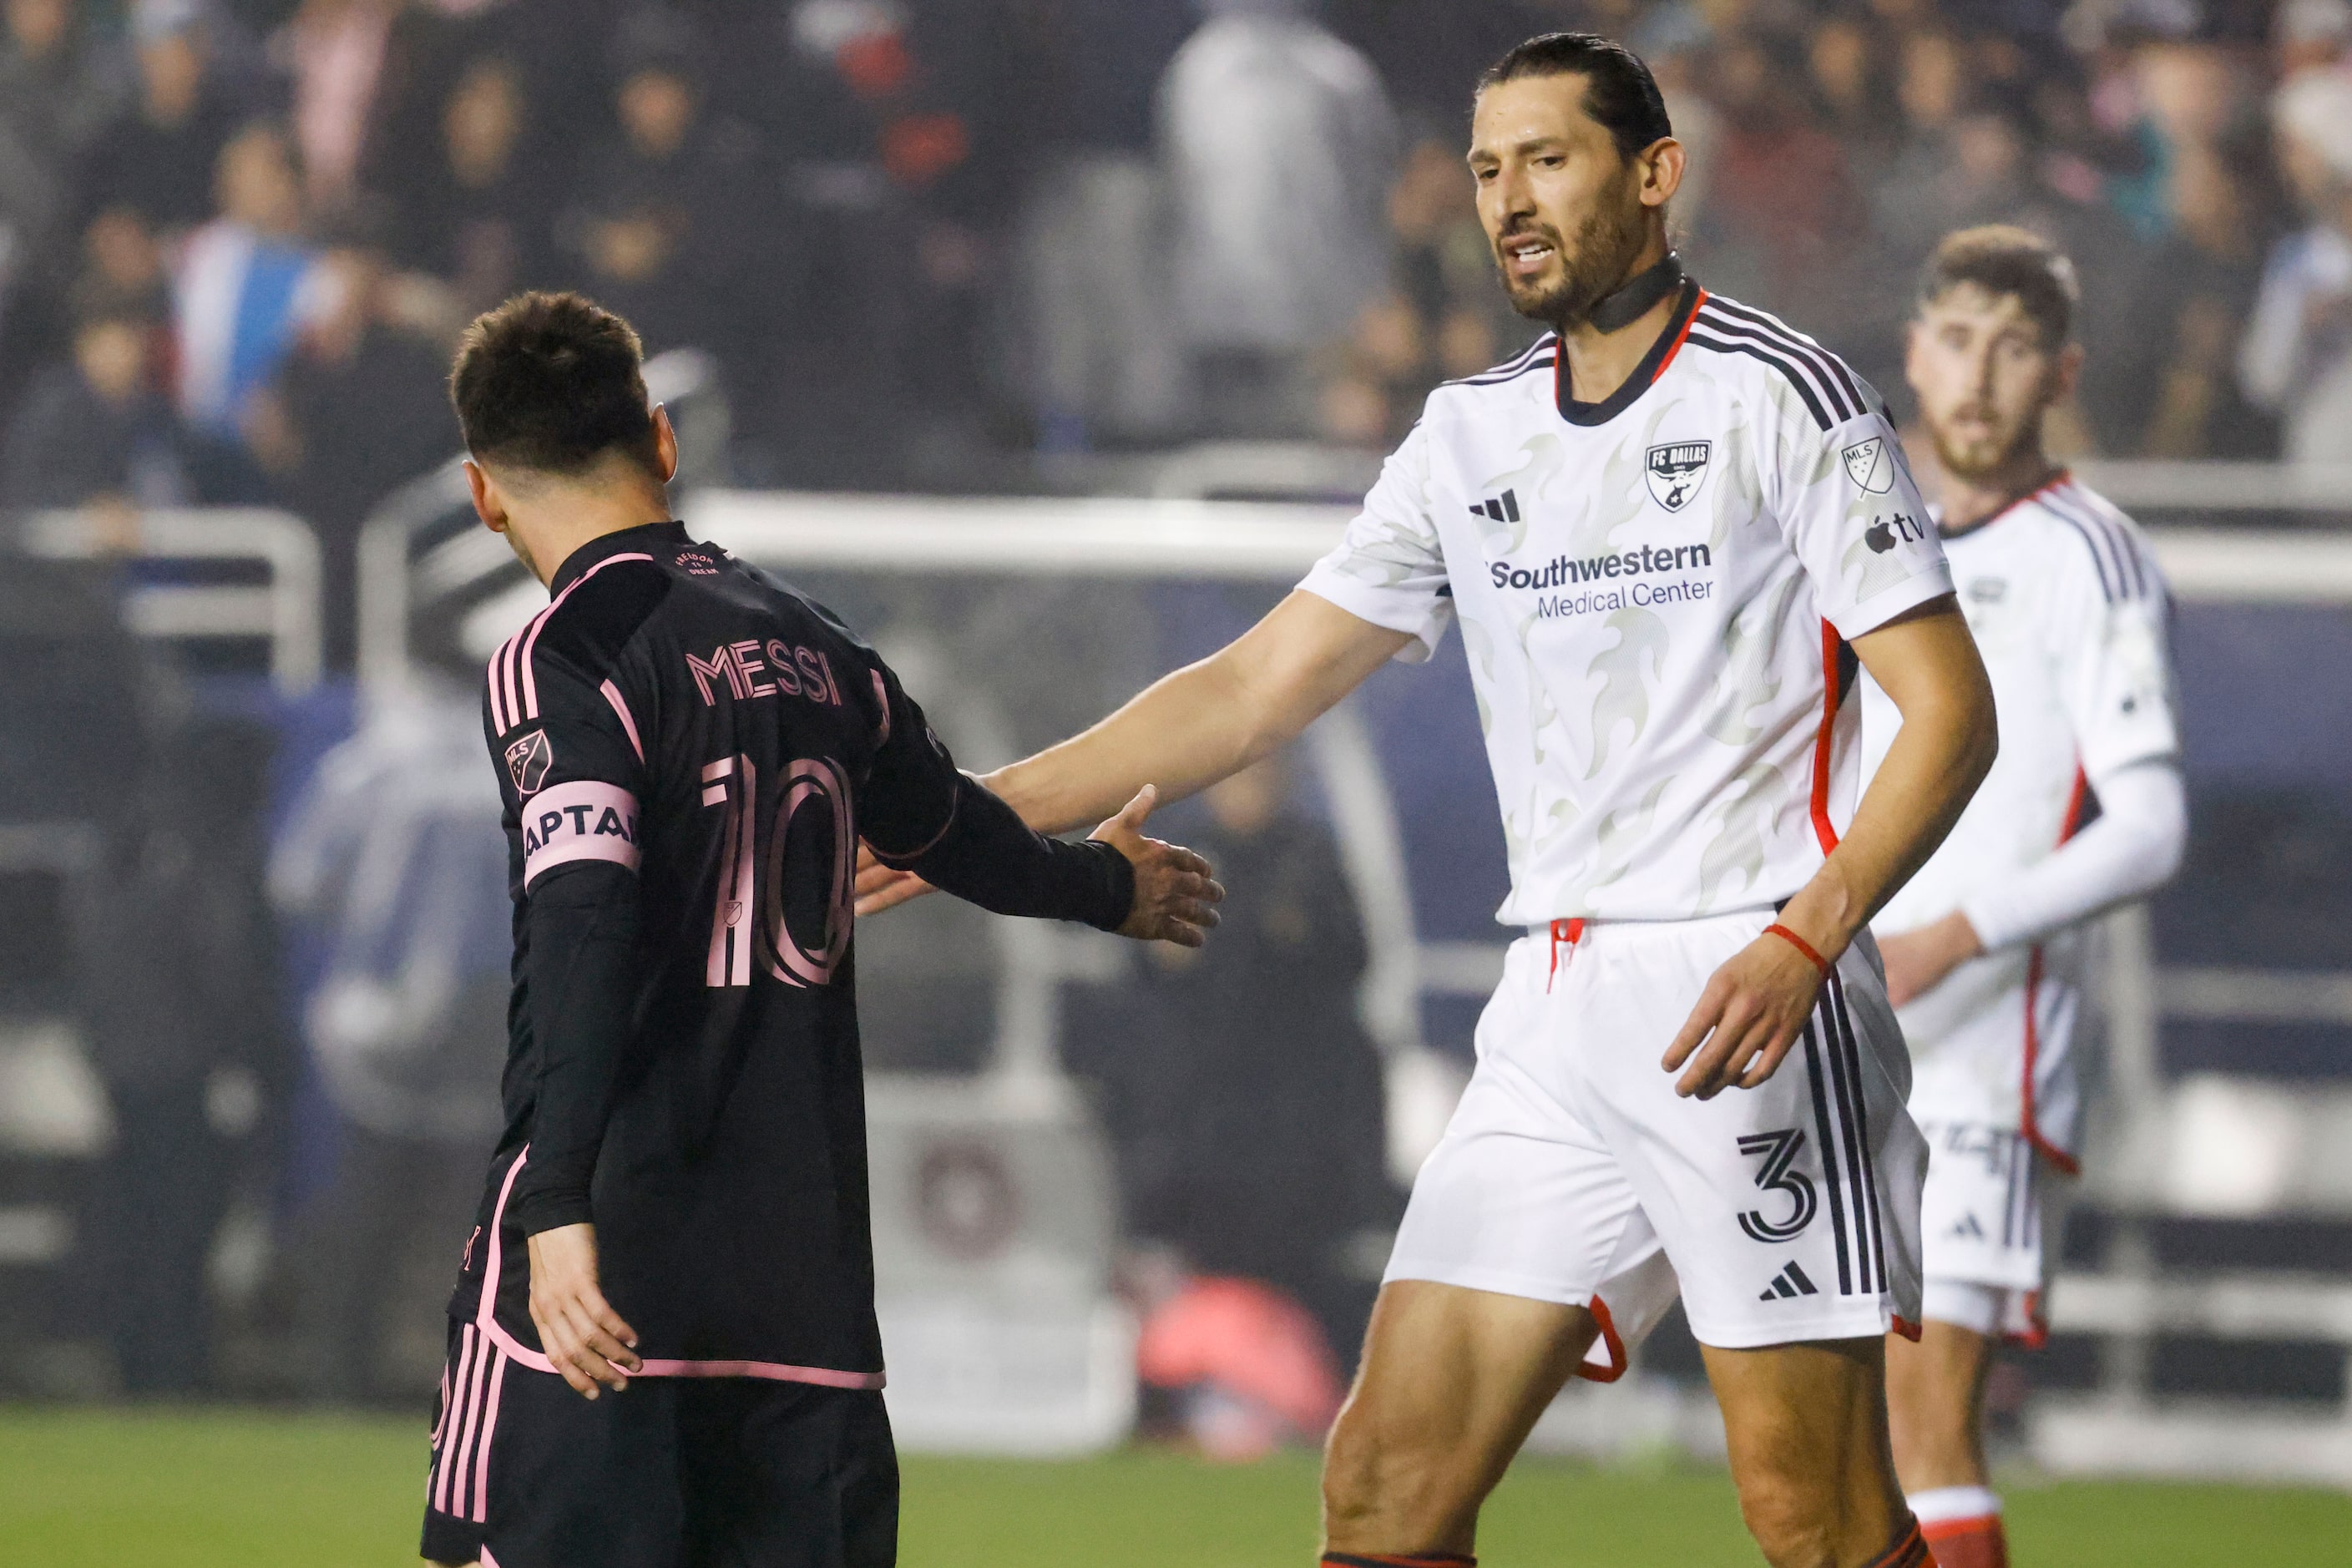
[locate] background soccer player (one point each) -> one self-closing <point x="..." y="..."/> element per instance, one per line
<point x="689" y="753"/>
<point x="1987" y="956"/>
<point x="1668" y="529"/>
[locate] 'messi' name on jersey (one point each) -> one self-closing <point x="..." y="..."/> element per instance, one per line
<point x="788" y="669"/>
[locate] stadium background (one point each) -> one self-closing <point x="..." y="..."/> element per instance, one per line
<point x="1048" y="340"/>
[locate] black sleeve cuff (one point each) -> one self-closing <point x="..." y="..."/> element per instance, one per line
<point x="552" y="1191"/>
<point x="1117" y="900"/>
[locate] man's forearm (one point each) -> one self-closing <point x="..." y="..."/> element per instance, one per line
<point x="988" y="856"/>
<point x="1941" y="753"/>
<point x="1207" y="721"/>
<point x="1183" y="732"/>
<point x="2133" y="849"/>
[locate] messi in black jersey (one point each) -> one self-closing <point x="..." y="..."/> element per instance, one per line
<point x="691" y="753"/>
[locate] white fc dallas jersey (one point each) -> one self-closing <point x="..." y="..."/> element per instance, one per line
<point x="2069" y="612"/>
<point x="1654" y="591"/>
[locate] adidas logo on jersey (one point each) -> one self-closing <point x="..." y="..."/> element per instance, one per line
<point x="1504" y="507"/>
<point x="1968" y="1229"/>
<point x="1788" y="1285"/>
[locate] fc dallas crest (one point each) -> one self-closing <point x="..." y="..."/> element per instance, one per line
<point x="1676" y="470"/>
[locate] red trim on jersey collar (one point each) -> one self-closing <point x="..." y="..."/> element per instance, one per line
<point x="1661" y="354"/>
<point x="2064" y="475"/>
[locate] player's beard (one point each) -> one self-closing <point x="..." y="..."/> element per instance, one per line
<point x="1608" y="243"/>
<point x="1977" y="458"/>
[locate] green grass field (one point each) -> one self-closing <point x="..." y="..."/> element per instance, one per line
<point x="99" y="1490"/>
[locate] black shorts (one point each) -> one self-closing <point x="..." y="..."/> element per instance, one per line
<point x="673" y="1472"/>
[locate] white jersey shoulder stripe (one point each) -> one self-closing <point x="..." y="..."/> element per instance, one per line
<point x="2123" y="573"/>
<point x="1811" y="347"/>
<point x="1537" y="354"/>
<point x="1722" y="336"/>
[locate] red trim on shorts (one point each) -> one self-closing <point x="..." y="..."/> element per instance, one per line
<point x="1564" y="934"/>
<point x="1618" y="1360"/>
<point x="1907" y="1328"/>
<point x="2038" y="1335"/>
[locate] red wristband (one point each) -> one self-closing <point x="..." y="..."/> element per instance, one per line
<point x="1801" y="945"/>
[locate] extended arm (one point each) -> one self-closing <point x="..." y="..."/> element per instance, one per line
<point x="1207" y="721"/>
<point x="1185" y="732"/>
<point x="1753" y="1008"/>
<point x="987" y="856"/>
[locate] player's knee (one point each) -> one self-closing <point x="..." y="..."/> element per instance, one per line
<point x="1373" y="1483"/>
<point x="1788" y="1522"/>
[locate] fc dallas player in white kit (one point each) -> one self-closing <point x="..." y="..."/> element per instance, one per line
<point x="1987" y="949"/>
<point x="1668" y="529"/>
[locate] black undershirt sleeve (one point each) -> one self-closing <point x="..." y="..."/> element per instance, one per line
<point x="986" y="855"/>
<point x="580" y="974"/>
<point x="919" y="812"/>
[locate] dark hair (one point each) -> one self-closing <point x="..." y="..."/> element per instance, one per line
<point x="2002" y="259"/>
<point x="1620" y="93"/>
<point x="553" y="382"/>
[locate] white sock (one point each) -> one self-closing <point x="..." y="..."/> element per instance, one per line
<point x="1945" y="1503"/>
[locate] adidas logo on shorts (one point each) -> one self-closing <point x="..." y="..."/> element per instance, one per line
<point x="1789" y="1284"/>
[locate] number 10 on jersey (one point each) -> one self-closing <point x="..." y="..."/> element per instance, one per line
<point x="750" y="903"/>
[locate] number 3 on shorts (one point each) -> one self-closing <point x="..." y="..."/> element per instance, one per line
<point x="1780" y="1150"/>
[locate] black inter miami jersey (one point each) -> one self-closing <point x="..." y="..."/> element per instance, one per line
<point x="691" y="753"/>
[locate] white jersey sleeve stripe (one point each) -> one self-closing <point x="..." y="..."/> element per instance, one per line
<point x="1791" y="353"/>
<point x="1828" y="364"/>
<point x="2069" y="498"/>
<point x="2108" y="548"/>
<point x="1788" y="371"/>
<point x="1512" y="368"/>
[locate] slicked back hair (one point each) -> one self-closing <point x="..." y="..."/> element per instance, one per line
<point x="552" y="383"/>
<point x="1620" y="93"/>
<point x="2002" y="259"/>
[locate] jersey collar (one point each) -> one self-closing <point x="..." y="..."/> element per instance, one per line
<point x="1653" y="365"/>
<point x="606" y="545"/>
<point x="2059" y="478"/>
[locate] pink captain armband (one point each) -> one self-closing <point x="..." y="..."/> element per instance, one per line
<point x="585" y="820"/>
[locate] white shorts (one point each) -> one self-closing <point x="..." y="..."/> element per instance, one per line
<point x="1786" y="1213"/>
<point x="1990" y="1221"/>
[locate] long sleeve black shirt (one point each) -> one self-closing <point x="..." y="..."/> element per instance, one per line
<point x="690" y="754"/>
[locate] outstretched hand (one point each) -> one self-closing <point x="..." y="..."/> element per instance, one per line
<point x="1746" y="1020"/>
<point x="881" y="887"/>
<point x="1176" y="895"/>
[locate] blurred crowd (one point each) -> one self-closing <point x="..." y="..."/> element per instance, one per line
<point x="927" y="238"/>
<point x="926" y="243"/>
